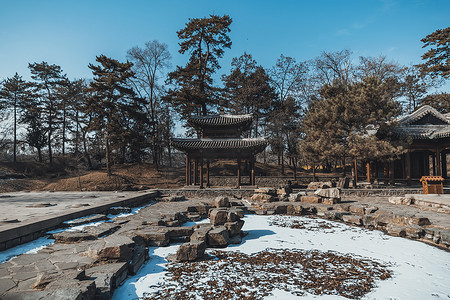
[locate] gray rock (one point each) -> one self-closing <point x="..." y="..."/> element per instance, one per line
<point x="319" y="185"/>
<point x="89" y="219"/>
<point x="175" y="232"/>
<point x="218" y="237"/>
<point x="200" y="234"/>
<point x="396" y="230"/>
<point x="356" y="220"/>
<point x="221" y="202"/>
<point x="234" y="228"/>
<point x="68" y="237"/>
<point x="175" y="198"/>
<point x="107" y="277"/>
<point x="119" y="210"/>
<point x="190" y="251"/>
<point x="101" y="230"/>
<point x="263" y="198"/>
<point x="140" y="255"/>
<point x="153" y="237"/>
<point x="117" y="247"/>
<point x="6" y="284"/>
<point x="218" y="216"/>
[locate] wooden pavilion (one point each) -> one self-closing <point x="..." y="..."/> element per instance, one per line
<point x="219" y="137"/>
<point x="429" y="149"/>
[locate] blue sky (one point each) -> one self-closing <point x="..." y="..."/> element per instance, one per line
<point x="72" y="33"/>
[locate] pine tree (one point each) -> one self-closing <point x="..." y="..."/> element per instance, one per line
<point x="14" y="94"/>
<point x="248" y="89"/>
<point x="47" y="79"/>
<point x="113" y="105"/>
<point x="342" y="122"/>
<point x="205" y="39"/>
<point x="437" y="59"/>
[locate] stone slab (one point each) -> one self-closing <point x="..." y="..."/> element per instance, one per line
<point x="32" y="220"/>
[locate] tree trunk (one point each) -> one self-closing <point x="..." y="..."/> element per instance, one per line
<point x="108" y="166"/>
<point x="15" y="132"/>
<point x="64" y="131"/>
<point x="86" y="154"/>
<point x="77" y="132"/>
<point x="295" y="168"/>
<point x="343" y="167"/>
<point x="39" y="154"/>
<point x="314" y="172"/>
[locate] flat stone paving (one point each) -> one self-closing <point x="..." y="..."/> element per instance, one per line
<point x="26" y="213"/>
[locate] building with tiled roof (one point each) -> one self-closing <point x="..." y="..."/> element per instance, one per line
<point x="219" y="138"/>
<point x="428" y="153"/>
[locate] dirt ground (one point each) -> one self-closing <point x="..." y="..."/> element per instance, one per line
<point x="33" y="176"/>
<point x="39" y="177"/>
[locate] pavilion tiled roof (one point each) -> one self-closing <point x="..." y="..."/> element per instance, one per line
<point x="256" y="144"/>
<point x="420" y="113"/>
<point x="424" y="131"/>
<point x="220" y="120"/>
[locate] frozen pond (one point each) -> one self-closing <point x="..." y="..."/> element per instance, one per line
<point x="42" y="242"/>
<point x="419" y="271"/>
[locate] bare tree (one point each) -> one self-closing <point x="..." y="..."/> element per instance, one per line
<point x="149" y="63"/>
<point x="289" y="78"/>
<point x="378" y="67"/>
<point x="334" y="67"/>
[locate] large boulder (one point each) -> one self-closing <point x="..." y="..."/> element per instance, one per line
<point x="218" y="237"/>
<point x="153" y="236"/>
<point x="117" y="247"/>
<point x="201" y="233"/>
<point x="218" y="216"/>
<point x="268" y="191"/>
<point x="190" y="251"/>
<point x="221" y="202"/>
<point x="311" y="199"/>
<point x="68" y="237"/>
<point x="319" y="185"/>
<point x="263" y="198"/>
<point x="234" y="228"/>
<point x="328" y="193"/>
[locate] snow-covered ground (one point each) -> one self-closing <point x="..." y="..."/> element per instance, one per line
<point x="419" y="271"/>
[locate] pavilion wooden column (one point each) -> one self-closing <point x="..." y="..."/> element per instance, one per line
<point x="188" y="170"/>
<point x="434" y="164"/>
<point x="207" y="173"/>
<point x="239" y="172"/>
<point x="391" y="172"/>
<point x="386" y="172"/>
<point x="195" y="171"/>
<point x="355" y="178"/>
<point x="438" y="162"/>
<point x="369" y="173"/>
<point x="252" y="173"/>
<point x="408" y="168"/>
<point x="444" y="164"/>
<point x="201" y="173"/>
<point x="426" y="163"/>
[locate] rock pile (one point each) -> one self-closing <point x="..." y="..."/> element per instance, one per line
<point x="315" y="185"/>
<point x="225" y="228"/>
<point x="267" y="195"/>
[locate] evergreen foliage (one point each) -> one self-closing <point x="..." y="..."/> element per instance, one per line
<point x="193" y="88"/>
<point x="437" y="59"/>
